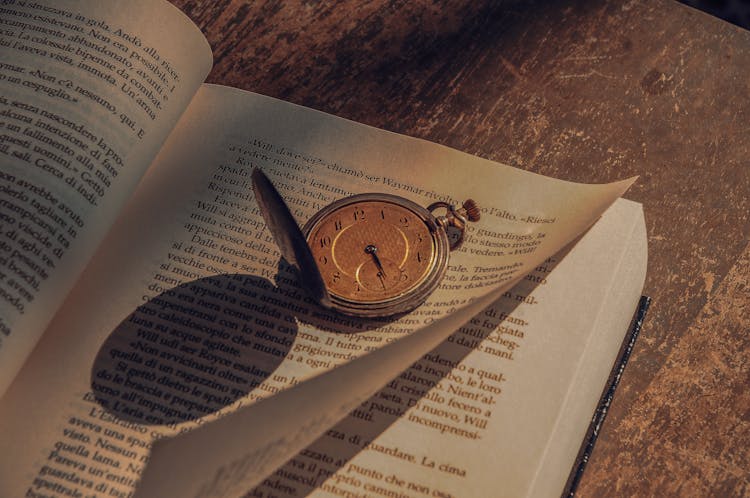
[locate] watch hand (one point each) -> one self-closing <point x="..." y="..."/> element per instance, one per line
<point x="382" y="281"/>
<point x="373" y="251"/>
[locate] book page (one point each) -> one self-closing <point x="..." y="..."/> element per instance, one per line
<point x="627" y="231"/>
<point x="498" y="409"/>
<point x="88" y="92"/>
<point x="463" y="422"/>
<point x="197" y="317"/>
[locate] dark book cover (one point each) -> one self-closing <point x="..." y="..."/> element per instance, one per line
<point x="605" y="401"/>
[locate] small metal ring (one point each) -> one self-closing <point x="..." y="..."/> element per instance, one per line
<point x="453" y="218"/>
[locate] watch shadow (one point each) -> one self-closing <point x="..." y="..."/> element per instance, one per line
<point x="192" y="350"/>
<point x="196" y="348"/>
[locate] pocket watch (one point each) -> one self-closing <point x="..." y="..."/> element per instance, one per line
<point x="367" y="255"/>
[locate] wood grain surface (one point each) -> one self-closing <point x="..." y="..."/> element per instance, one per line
<point x="589" y="91"/>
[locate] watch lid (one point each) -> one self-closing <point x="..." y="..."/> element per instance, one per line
<point x="288" y="236"/>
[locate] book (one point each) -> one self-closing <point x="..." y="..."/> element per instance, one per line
<point x="154" y="343"/>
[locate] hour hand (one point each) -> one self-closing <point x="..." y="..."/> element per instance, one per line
<point x="373" y="251"/>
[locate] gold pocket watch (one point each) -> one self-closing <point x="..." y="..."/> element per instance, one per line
<point x="369" y="255"/>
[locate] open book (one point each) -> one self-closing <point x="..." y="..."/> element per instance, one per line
<point x="142" y="298"/>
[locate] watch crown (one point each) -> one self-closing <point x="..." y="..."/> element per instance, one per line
<point x="472" y="210"/>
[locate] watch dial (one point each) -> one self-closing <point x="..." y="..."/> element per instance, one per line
<point x="372" y="250"/>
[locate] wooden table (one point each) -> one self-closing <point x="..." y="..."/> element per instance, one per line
<point x="589" y="91"/>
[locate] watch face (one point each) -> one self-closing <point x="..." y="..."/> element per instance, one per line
<point x="376" y="249"/>
<point x="368" y="255"/>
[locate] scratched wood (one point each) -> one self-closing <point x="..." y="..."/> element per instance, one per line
<point x="588" y="91"/>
